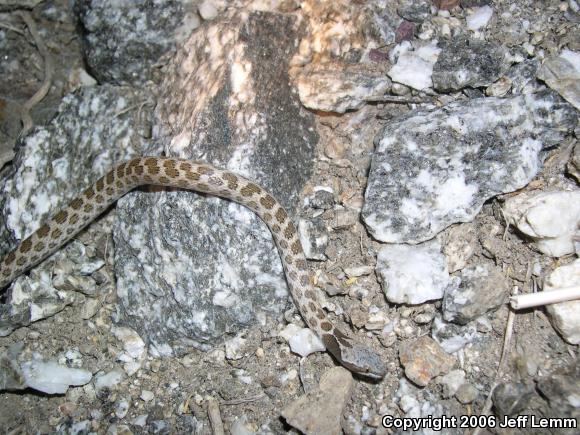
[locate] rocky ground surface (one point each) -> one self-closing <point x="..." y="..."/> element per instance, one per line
<point x="444" y="179"/>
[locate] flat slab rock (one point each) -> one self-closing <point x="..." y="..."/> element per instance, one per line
<point x="320" y="411"/>
<point x="550" y="219"/>
<point x="483" y="288"/>
<point x="414" y="274"/>
<point x="465" y="63"/>
<point x="433" y="169"/>
<point x="192" y="269"/>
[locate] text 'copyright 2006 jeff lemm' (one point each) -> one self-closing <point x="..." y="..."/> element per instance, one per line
<point x="475" y="421"/>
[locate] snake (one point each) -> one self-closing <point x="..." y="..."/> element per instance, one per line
<point x="205" y="178"/>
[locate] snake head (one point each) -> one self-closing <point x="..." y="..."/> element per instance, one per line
<point x="357" y="359"/>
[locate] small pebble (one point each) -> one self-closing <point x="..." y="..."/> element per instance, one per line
<point x="423" y="359"/>
<point x="466" y="393"/>
<point x="147" y="395"/>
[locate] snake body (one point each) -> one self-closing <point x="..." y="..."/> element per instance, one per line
<point x="200" y="177"/>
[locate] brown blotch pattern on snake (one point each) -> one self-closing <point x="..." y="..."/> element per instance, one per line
<point x="89" y="193"/>
<point x="204" y="170"/>
<point x="185" y="166"/>
<point x="194" y="176"/>
<point x="43" y="231"/>
<point x="281" y="215"/>
<point x="250" y="189"/>
<point x="296" y="248"/>
<point x="9" y="259"/>
<point x="290" y="230"/>
<point x="25" y="246"/>
<point x="76" y="203"/>
<point x="60" y="217"/>
<point x="232" y="180"/>
<point x="267" y="201"/>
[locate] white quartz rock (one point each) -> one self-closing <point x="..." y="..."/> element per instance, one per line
<point x="52" y="378"/>
<point x="565" y="316"/>
<point x="109" y="380"/>
<point x="236" y="348"/>
<point x="413" y="274"/>
<point x="134" y="347"/>
<point x="288" y="331"/>
<point x="302" y="341"/>
<point x="451" y="382"/>
<point x="415" y="68"/>
<point x="550" y="218"/>
<point x="209" y="9"/>
<point x="479" y="18"/>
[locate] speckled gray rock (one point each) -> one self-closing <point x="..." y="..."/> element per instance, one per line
<point x="44" y="293"/>
<point x="511" y="398"/>
<point x="192" y="268"/>
<point x="459" y="244"/>
<point x="28" y="301"/>
<point x="483" y="289"/>
<point x="416" y="11"/>
<point x="123" y="40"/>
<point x="523" y="76"/>
<point x="573" y="166"/>
<point x="475" y="3"/>
<point x="322" y="199"/>
<point x="452" y="337"/>
<point x="340" y="87"/>
<point x="432" y="169"/>
<point x="93" y="129"/>
<point x="562" y="389"/>
<point x="10" y="5"/>
<point x="385" y="20"/>
<point x="314" y="238"/>
<point x="466" y="62"/>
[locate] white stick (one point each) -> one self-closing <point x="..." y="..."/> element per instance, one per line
<point x="564" y="294"/>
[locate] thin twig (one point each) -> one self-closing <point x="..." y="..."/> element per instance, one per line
<point x="507" y="224"/>
<point x="250" y="399"/>
<point x="48" y="73"/>
<point x="301" y="374"/>
<point x="9" y="27"/>
<point x="398" y="99"/>
<point x="215" y="418"/>
<point x="505" y="349"/>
